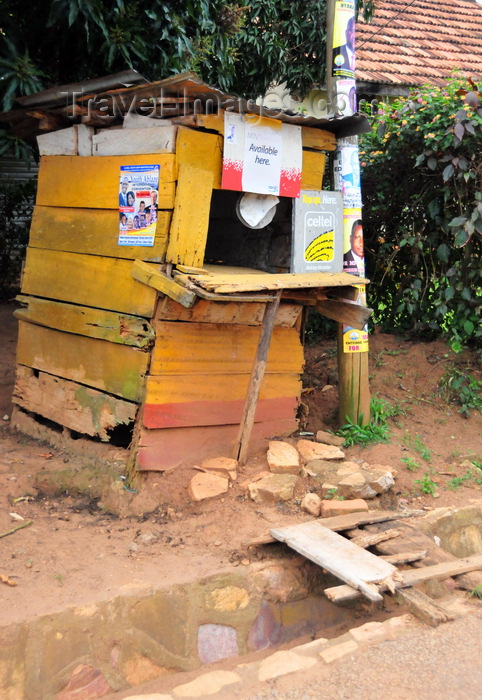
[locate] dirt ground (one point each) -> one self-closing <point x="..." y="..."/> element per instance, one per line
<point x="74" y="551"/>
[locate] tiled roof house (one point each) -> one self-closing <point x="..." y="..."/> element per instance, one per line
<point x="411" y="42"/>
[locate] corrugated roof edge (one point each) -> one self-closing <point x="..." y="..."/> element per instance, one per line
<point x="190" y="85"/>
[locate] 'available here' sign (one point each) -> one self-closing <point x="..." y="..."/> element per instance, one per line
<point x="262" y="156"/>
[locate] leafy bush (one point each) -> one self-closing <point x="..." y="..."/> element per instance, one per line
<point x="422" y="185"/>
<point x="16" y="202"/>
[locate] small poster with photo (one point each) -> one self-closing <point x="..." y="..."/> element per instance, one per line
<point x="138" y="204"/>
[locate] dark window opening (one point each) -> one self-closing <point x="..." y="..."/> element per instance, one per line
<point x="231" y="243"/>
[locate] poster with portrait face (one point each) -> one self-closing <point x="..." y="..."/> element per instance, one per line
<point x="343" y="63"/>
<point x="138" y="197"/>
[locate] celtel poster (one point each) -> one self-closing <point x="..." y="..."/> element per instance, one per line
<point x="262" y="156"/>
<point x="138" y="204"/>
<point x="317" y="240"/>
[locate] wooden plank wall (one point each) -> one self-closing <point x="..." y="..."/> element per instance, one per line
<point x="92" y="346"/>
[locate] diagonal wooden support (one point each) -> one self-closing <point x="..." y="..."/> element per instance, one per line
<point x="241" y="447"/>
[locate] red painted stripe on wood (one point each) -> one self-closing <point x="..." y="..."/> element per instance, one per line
<point x="197" y="413"/>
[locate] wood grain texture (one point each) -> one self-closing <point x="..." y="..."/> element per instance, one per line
<point x="109" y="367"/>
<point x="246" y="314"/>
<point x="89" y="280"/>
<point x="158" y="280"/>
<point x="190" y="220"/>
<point x="114" y="142"/>
<point x="161" y="450"/>
<point x="227" y="281"/>
<point x="337" y="555"/>
<point x="313" y="169"/>
<point x="93" y="183"/>
<point x="72" y="405"/>
<point x="196" y="149"/>
<point x="84" y="320"/>
<point x="202" y="348"/>
<point x="173" y="401"/>
<point x="94" y="232"/>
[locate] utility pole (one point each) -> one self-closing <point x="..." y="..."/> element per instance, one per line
<point x="341" y="86"/>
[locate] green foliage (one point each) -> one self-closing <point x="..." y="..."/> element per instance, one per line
<point x="417" y="445"/>
<point x="333" y="494"/>
<point x="426" y="484"/>
<point x="375" y="431"/>
<point x="16" y="202"/>
<point x="239" y="46"/>
<point x="477" y="591"/>
<point x="460" y="387"/>
<point x="410" y="463"/>
<point x="422" y="185"/>
<point x="458" y="481"/>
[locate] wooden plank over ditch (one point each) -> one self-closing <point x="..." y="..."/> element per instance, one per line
<point x="89" y="280"/>
<point x="94" y="232"/>
<point x="93" y="183"/>
<point x="109" y="367"/>
<point x="337" y="555"/>
<point x="72" y="405"/>
<point x="208" y="349"/>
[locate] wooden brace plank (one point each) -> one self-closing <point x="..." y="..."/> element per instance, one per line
<point x="350" y="314"/>
<point x="72" y="405"/>
<point x="147" y="274"/>
<point x="83" y="320"/>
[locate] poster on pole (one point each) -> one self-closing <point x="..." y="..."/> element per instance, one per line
<point x="343" y="65"/>
<point x="138" y="204"/>
<point x="261" y="155"/>
<point x="317" y="238"/>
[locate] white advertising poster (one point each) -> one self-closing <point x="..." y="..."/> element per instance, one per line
<point x="263" y="156"/>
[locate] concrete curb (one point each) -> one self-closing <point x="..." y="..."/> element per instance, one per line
<point x="218" y="683"/>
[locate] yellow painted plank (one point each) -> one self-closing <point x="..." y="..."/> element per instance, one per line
<point x="215" y="122"/>
<point x="145" y="273"/>
<point x="93" y="183"/>
<point x="217" y="281"/>
<point x="84" y="320"/>
<point x="72" y="405"/>
<point x="92" y="231"/>
<point x="200" y="150"/>
<point x="190" y="221"/>
<point x="317" y="138"/>
<point x="89" y="280"/>
<point x="174" y="389"/>
<point x="204" y="348"/>
<point x="313" y="170"/>
<point x="242" y="313"/>
<point x="112" y="368"/>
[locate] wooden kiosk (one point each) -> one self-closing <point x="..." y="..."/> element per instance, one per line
<point x="152" y="348"/>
